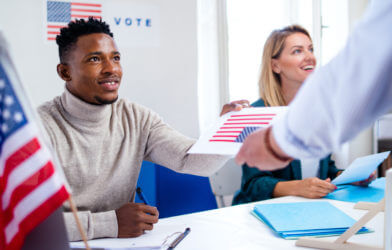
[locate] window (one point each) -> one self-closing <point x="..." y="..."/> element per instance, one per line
<point x="231" y="37"/>
<point x="334" y="28"/>
<point x="250" y="22"/>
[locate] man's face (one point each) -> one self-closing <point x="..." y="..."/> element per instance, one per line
<point x="94" y="69"/>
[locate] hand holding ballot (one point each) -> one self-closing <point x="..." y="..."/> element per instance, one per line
<point x="366" y="182"/>
<point x="234" y="106"/>
<point x="225" y="137"/>
<point x="361" y="169"/>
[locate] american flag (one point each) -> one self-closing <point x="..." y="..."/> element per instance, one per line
<point x="59" y="14"/>
<point x="237" y="127"/>
<point x="30" y="186"/>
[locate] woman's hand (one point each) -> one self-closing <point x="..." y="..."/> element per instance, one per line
<point x="234" y="106"/>
<point x="309" y="188"/>
<point x="366" y="182"/>
<point x="314" y="187"/>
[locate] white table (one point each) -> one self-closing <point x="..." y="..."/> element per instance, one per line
<point x="235" y="228"/>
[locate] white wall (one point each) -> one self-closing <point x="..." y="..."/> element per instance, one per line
<point x="35" y="61"/>
<point x="163" y="78"/>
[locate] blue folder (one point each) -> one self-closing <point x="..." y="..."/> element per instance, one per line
<point x="373" y="193"/>
<point x="298" y="219"/>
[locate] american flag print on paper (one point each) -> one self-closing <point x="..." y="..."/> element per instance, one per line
<point x="226" y="135"/>
<point x="30" y="187"/>
<point x="237" y="127"/>
<point x="59" y="14"/>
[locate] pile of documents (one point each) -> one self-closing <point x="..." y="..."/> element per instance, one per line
<point x="299" y="219"/>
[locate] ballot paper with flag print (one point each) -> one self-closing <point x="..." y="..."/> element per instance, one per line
<point x="31" y="188"/>
<point x="228" y="133"/>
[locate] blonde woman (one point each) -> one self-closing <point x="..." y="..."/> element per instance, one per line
<point x="287" y="61"/>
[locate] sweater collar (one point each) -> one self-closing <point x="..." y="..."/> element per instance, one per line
<point x="83" y="110"/>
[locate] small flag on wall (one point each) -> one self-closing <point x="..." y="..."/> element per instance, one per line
<point x="229" y="132"/>
<point x="60" y="13"/>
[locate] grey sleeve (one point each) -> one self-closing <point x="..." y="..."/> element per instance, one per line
<point x="95" y="225"/>
<point x="167" y="147"/>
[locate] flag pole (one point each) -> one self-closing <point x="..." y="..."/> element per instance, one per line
<point x="81" y="230"/>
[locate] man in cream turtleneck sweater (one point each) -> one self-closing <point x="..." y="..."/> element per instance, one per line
<point x="101" y="140"/>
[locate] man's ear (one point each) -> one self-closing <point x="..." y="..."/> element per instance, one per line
<point x="275" y="66"/>
<point x="63" y="72"/>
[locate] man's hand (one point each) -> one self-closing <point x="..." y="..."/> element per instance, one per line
<point x="314" y="187"/>
<point x="134" y="218"/>
<point x="255" y="154"/>
<point x="234" y="106"/>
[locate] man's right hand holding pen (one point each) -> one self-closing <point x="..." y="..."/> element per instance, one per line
<point x="134" y="218"/>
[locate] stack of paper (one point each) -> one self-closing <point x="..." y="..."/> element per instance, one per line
<point x="299" y="219"/>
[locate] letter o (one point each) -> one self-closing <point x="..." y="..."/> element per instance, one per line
<point x="128" y="21"/>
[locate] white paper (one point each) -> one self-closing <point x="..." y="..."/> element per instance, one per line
<point x="116" y="244"/>
<point x="361" y="168"/>
<point x="116" y="248"/>
<point x="225" y="136"/>
<point x="159" y="238"/>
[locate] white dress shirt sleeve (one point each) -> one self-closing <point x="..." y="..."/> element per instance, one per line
<point x="345" y="96"/>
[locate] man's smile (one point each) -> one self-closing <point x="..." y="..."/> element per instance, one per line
<point x="110" y="84"/>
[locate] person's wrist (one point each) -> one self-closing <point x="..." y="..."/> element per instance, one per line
<point x="294" y="188"/>
<point x="273" y="148"/>
<point x="286" y="188"/>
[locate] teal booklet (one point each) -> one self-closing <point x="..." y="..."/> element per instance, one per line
<point x="299" y="219"/>
<point x="373" y="193"/>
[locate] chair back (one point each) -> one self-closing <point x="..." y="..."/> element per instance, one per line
<point x="226" y="182"/>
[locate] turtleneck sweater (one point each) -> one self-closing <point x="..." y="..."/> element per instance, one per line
<point x="101" y="149"/>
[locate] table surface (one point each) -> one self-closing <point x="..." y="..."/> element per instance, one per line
<point x="235" y="228"/>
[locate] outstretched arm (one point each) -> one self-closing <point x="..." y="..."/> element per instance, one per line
<point x="338" y="100"/>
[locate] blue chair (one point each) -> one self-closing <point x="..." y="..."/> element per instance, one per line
<point x="174" y="193"/>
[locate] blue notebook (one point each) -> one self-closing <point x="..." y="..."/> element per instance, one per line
<point x="298" y="219"/>
<point x="373" y="193"/>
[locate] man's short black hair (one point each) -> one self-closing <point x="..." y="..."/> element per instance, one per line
<point x="70" y="34"/>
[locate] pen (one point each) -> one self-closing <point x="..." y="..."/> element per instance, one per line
<point x="179" y="238"/>
<point x="141" y="195"/>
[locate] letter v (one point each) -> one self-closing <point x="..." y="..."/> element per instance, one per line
<point x="117" y="20"/>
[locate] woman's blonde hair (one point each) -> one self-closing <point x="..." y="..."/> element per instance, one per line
<point x="269" y="83"/>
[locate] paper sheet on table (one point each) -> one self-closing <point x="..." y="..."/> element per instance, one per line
<point x="361" y="168"/>
<point x="117" y="248"/>
<point x="114" y="244"/>
<point x="150" y="240"/>
<point x="225" y="137"/>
